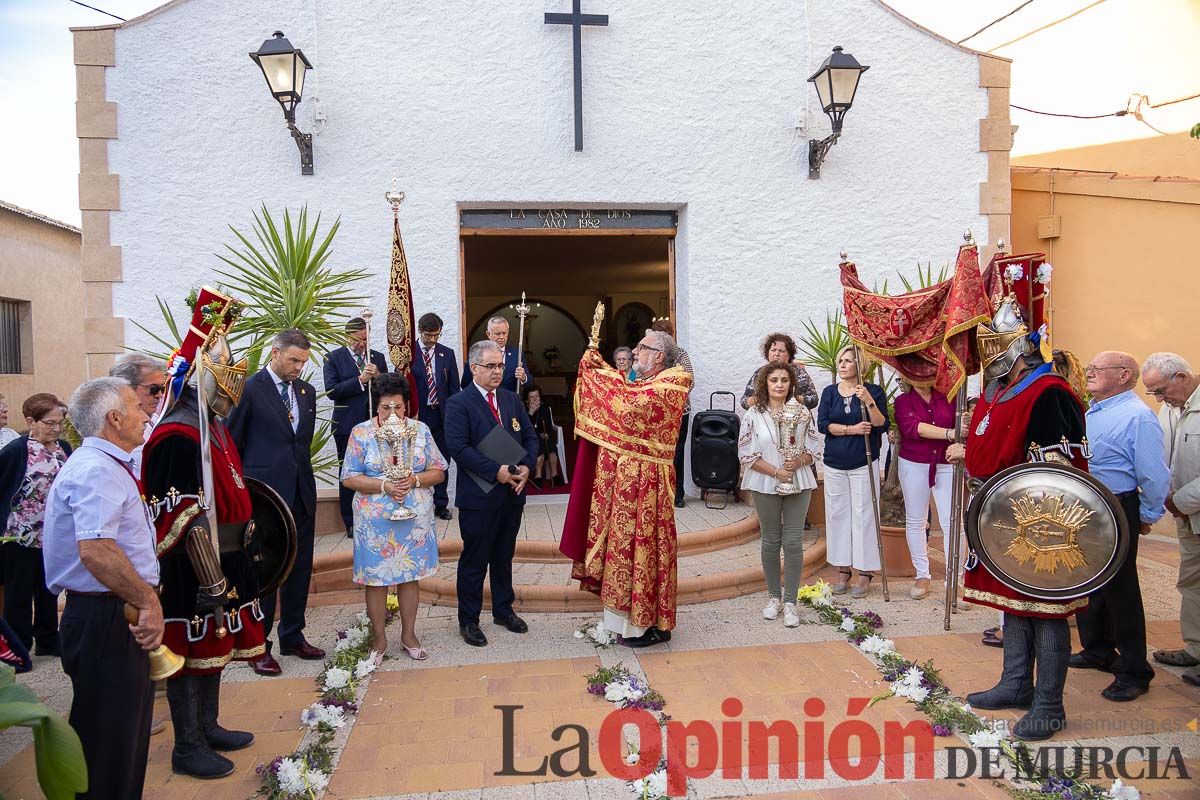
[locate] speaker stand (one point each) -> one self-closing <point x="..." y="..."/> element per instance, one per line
<point x="704" y="495"/>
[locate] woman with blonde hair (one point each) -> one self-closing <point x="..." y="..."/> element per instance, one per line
<point x="780" y="516"/>
<point x="851" y="538"/>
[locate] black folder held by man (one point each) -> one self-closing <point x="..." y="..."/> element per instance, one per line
<point x="500" y="447"/>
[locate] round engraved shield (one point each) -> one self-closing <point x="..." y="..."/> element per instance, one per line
<point x="270" y="537"/>
<point x="1048" y="530"/>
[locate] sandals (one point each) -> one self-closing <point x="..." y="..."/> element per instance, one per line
<point x="994" y="637"/>
<point x="415" y="653"/>
<point x="843" y="581"/>
<point x="861" y="591"/>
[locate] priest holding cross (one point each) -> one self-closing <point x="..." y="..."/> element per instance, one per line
<point x="620" y="524"/>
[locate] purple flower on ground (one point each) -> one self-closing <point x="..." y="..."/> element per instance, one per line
<point x="595" y="688"/>
<point x="941" y="730"/>
<point x="845" y="612"/>
<point x="874" y="619"/>
<point x="272" y="767"/>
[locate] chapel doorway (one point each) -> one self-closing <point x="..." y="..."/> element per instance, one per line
<point x="565" y="267"/>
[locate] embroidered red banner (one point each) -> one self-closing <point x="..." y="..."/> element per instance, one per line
<point x="926" y="335"/>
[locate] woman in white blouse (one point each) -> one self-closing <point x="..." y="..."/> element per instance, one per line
<point x="780" y="516"/>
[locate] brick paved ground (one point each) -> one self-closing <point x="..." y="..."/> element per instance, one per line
<point x="430" y="730"/>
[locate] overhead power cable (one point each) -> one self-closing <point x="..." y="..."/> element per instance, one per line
<point x="1047" y="26"/>
<point x="100" y="10"/>
<point x="993" y="22"/>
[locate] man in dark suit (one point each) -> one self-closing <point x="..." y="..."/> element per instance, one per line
<point x="347" y="372"/>
<point x="514" y="365"/>
<point x="434" y="372"/>
<point x="488" y="521"/>
<point x="273" y="428"/>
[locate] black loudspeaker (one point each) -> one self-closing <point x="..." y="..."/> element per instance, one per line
<point x="715" y="447"/>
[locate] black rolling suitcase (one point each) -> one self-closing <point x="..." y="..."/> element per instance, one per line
<point x="715" y="450"/>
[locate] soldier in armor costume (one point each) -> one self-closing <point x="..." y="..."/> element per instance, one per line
<point x="209" y="589"/>
<point x="1025" y="408"/>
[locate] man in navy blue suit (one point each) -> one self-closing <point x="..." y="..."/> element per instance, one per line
<point x="435" y="374"/>
<point x="347" y="372"/>
<point x="272" y="427"/>
<point x="488" y="521"/>
<point x="514" y="367"/>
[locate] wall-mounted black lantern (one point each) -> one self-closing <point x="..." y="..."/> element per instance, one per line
<point x="284" y="68"/>
<point x="836" y="82"/>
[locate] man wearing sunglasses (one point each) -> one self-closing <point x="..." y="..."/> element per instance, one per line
<point x="1171" y="380"/>
<point x="148" y="378"/>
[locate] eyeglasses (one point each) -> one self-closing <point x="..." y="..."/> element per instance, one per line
<point x="647" y="347"/>
<point x="152" y="389"/>
<point x="1160" y="392"/>
<point x="49" y="424"/>
<point x="491" y="367"/>
<point x="1090" y="370"/>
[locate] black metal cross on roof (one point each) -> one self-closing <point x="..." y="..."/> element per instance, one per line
<point x="577" y="20"/>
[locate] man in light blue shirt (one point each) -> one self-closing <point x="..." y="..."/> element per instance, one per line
<point x="1127" y="457"/>
<point x="98" y="546"/>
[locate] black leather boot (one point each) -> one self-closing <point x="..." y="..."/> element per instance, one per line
<point x="1015" y="689"/>
<point x="218" y="738"/>
<point x="1052" y="648"/>
<point x="191" y="754"/>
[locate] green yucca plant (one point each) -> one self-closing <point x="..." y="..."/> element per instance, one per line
<point x="283" y="279"/>
<point x="925" y="277"/>
<point x="820" y="346"/>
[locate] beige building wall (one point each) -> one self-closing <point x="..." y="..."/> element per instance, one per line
<point x="1117" y="223"/>
<point x="39" y="264"/>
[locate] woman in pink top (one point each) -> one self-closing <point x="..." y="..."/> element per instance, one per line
<point x="926" y="421"/>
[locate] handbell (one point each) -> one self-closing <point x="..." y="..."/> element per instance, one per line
<point x="163" y="661"/>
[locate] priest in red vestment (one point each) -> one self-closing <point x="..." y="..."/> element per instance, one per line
<point x="1024" y="403"/>
<point x="620" y="525"/>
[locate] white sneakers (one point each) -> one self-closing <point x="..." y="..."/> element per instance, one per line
<point x="791" y="618"/>
<point x="773" y="608"/>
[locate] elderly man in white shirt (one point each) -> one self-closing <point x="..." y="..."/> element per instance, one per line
<point x="1169" y="378"/>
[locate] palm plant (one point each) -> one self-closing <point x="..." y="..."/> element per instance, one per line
<point x="61" y="769"/>
<point x="925" y="277"/>
<point x="283" y="279"/>
<point x="821" y="346"/>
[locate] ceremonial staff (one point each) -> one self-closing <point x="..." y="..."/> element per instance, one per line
<point x="958" y="488"/>
<point x="522" y="309"/>
<point x="871" y="478"/>
<point x="367" y="314"/>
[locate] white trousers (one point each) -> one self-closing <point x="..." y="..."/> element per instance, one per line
<point x="914" y="481"/>
<point x="850" y="536"/>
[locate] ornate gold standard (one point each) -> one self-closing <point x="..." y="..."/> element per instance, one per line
<point x="787" y="419"/>
<point x="1048" y="530"/>
<point x="397" y="439"/>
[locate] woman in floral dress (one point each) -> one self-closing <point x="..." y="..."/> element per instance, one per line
<point x="28" y="465"/>
<point x="392" y="552"/>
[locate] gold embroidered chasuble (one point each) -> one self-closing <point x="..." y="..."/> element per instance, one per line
<point x="627" y="554"/>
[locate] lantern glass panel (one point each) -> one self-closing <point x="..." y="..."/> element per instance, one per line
<point x="278" y="70"/>
<point x="844" y="83"/>
<point x="822" y="84"/>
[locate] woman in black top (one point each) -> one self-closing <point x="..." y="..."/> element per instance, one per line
<point x="546" y="468"/>
<point x="28" y="465"/>
<point x="851" y="539"/>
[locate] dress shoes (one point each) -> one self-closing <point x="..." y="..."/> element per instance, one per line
<point x="1122" y="693"/>
<point x="443" y="513"/>
<point x="651" y="637"/>
<point x="1080" y="661"/>
<point x="513" y="623"/>
<point x="472" y="635"/>
<point x="302" y="649"/>
<point x="679" y="503"/>
<point x="265" y="665"/>
<point x="47" y="649"/>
